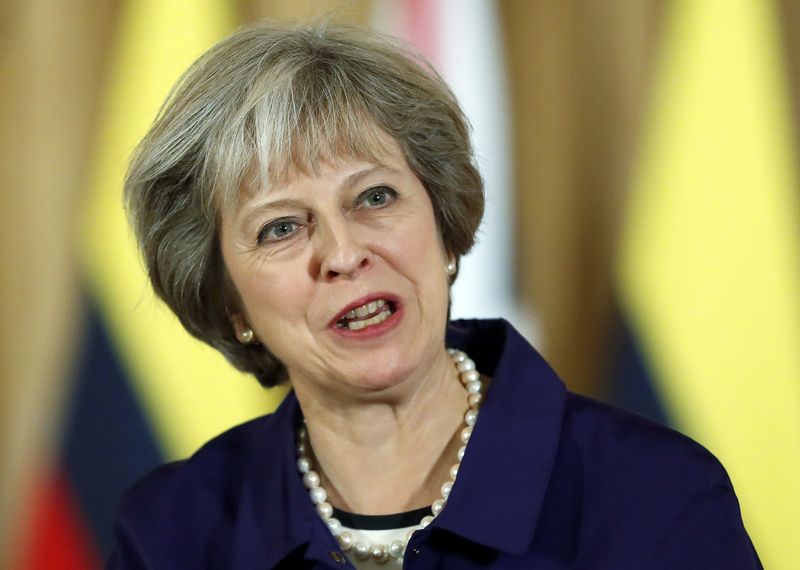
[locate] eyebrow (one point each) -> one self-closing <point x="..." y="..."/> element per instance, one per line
<point x="349" y="182"/>
<point x="261" y="209"/>
<point x="355" y="178"/>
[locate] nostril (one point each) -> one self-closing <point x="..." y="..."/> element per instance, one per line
<point x="344" y="267"/>
<point x="340" y="254"/>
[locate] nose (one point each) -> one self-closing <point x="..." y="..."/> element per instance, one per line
<point x="341" y="252"/>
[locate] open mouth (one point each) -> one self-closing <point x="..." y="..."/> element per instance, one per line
<point x="366" y="315"/>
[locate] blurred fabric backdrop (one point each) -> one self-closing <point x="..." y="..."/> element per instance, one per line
<point x="643" y="232"/>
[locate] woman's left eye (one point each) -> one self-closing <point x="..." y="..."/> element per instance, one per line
<point x="376" y="197"/>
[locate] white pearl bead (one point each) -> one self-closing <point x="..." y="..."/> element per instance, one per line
<point x="334" y="525"/>
<point x="446" y="488"/>
<point x="437" y="506"/>
<point x="474" y="387"/>
<point x="378" y="553"/>
<point x="302" y="433"/>
<point x="465" y="435"/>
<point x="451" y="351"/>
<point x="325" y="510"/>
<point x="426" y="520"/>
<point x="345" y="540"/>
<point x="470" y="376"/>
<point x="461" y="451"/>
<point x="396" y="548"/>
<point x="318" y="495"/>
<point x="303" y="464"/>
<point x="454" y="471"/>
<point x="302" y="448"/>
<point x="470" y="417"/>
<point x="459" y="357"/>
<point x="474" y="399"/>
<point x="361" y="550"/>
<point x="311" y="480"/>
<point x="410" y="533"/>
<point x="468" y="364"/>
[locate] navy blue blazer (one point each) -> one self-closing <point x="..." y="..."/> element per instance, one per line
<point x="550" y="480"/>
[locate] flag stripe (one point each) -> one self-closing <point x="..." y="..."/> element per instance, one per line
<point x="709" y="272"/>
<point x="631" y="384"/>
<point x="190" y="393"/>
<point x="108" y="441"/>
<point x="423" y="28"/>
<point x="59" y="537"/>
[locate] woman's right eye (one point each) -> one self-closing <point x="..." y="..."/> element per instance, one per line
<point x="277" y="230"/>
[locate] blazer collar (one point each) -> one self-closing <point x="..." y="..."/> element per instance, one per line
<point x="504" y="475"/>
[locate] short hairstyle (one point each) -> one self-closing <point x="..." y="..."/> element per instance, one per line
<point x="270" y="98"/>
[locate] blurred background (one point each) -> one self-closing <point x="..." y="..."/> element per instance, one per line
<point x="643" y="231"/>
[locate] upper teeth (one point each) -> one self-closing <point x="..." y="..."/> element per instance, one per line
<point x="365" y="309"/>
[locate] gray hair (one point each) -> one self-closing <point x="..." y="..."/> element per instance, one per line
<point x="270" y="98"/>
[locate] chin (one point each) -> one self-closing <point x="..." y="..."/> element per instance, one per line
<point x="383" y="379"/>
<point x="380" y="383"/>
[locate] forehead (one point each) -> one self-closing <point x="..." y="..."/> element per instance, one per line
<point x="269" y="176"/>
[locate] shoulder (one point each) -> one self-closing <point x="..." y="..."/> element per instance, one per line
<point x="631" y="460"/>
<point x="217" y="466"/>
<point x="613" y="438"/>
<point x="174" y="508"/>
<point x="659" y="493"/>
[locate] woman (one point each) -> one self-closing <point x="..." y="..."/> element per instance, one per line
<point x="302" y="203"/>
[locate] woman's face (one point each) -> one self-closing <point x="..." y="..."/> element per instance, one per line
<point x="342" y="274"/>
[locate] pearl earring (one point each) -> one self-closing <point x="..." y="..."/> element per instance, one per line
<point x="246" y="336"/>
<point x="451" y="267"/>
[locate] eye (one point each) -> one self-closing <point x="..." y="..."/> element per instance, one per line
<point x="277" y="230"/>
<point x="376" y="197"/>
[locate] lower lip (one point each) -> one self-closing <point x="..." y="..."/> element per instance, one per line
<point x="372" y="331"/>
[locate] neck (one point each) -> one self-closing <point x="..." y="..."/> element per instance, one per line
<point x="405" y="441"/>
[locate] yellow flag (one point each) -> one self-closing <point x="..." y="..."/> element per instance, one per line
<point x="187" y="390"/>
<point x="710" y="257"/>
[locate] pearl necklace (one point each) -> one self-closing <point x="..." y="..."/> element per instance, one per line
<point x="380" y="553"/>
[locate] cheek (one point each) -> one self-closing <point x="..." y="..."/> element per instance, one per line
<point x="272" y="296"/>
<point x="422" y="252"/>
<point x="424" y="243"/>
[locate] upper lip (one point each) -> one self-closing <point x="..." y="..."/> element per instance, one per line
<point x="362" y="301"/>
